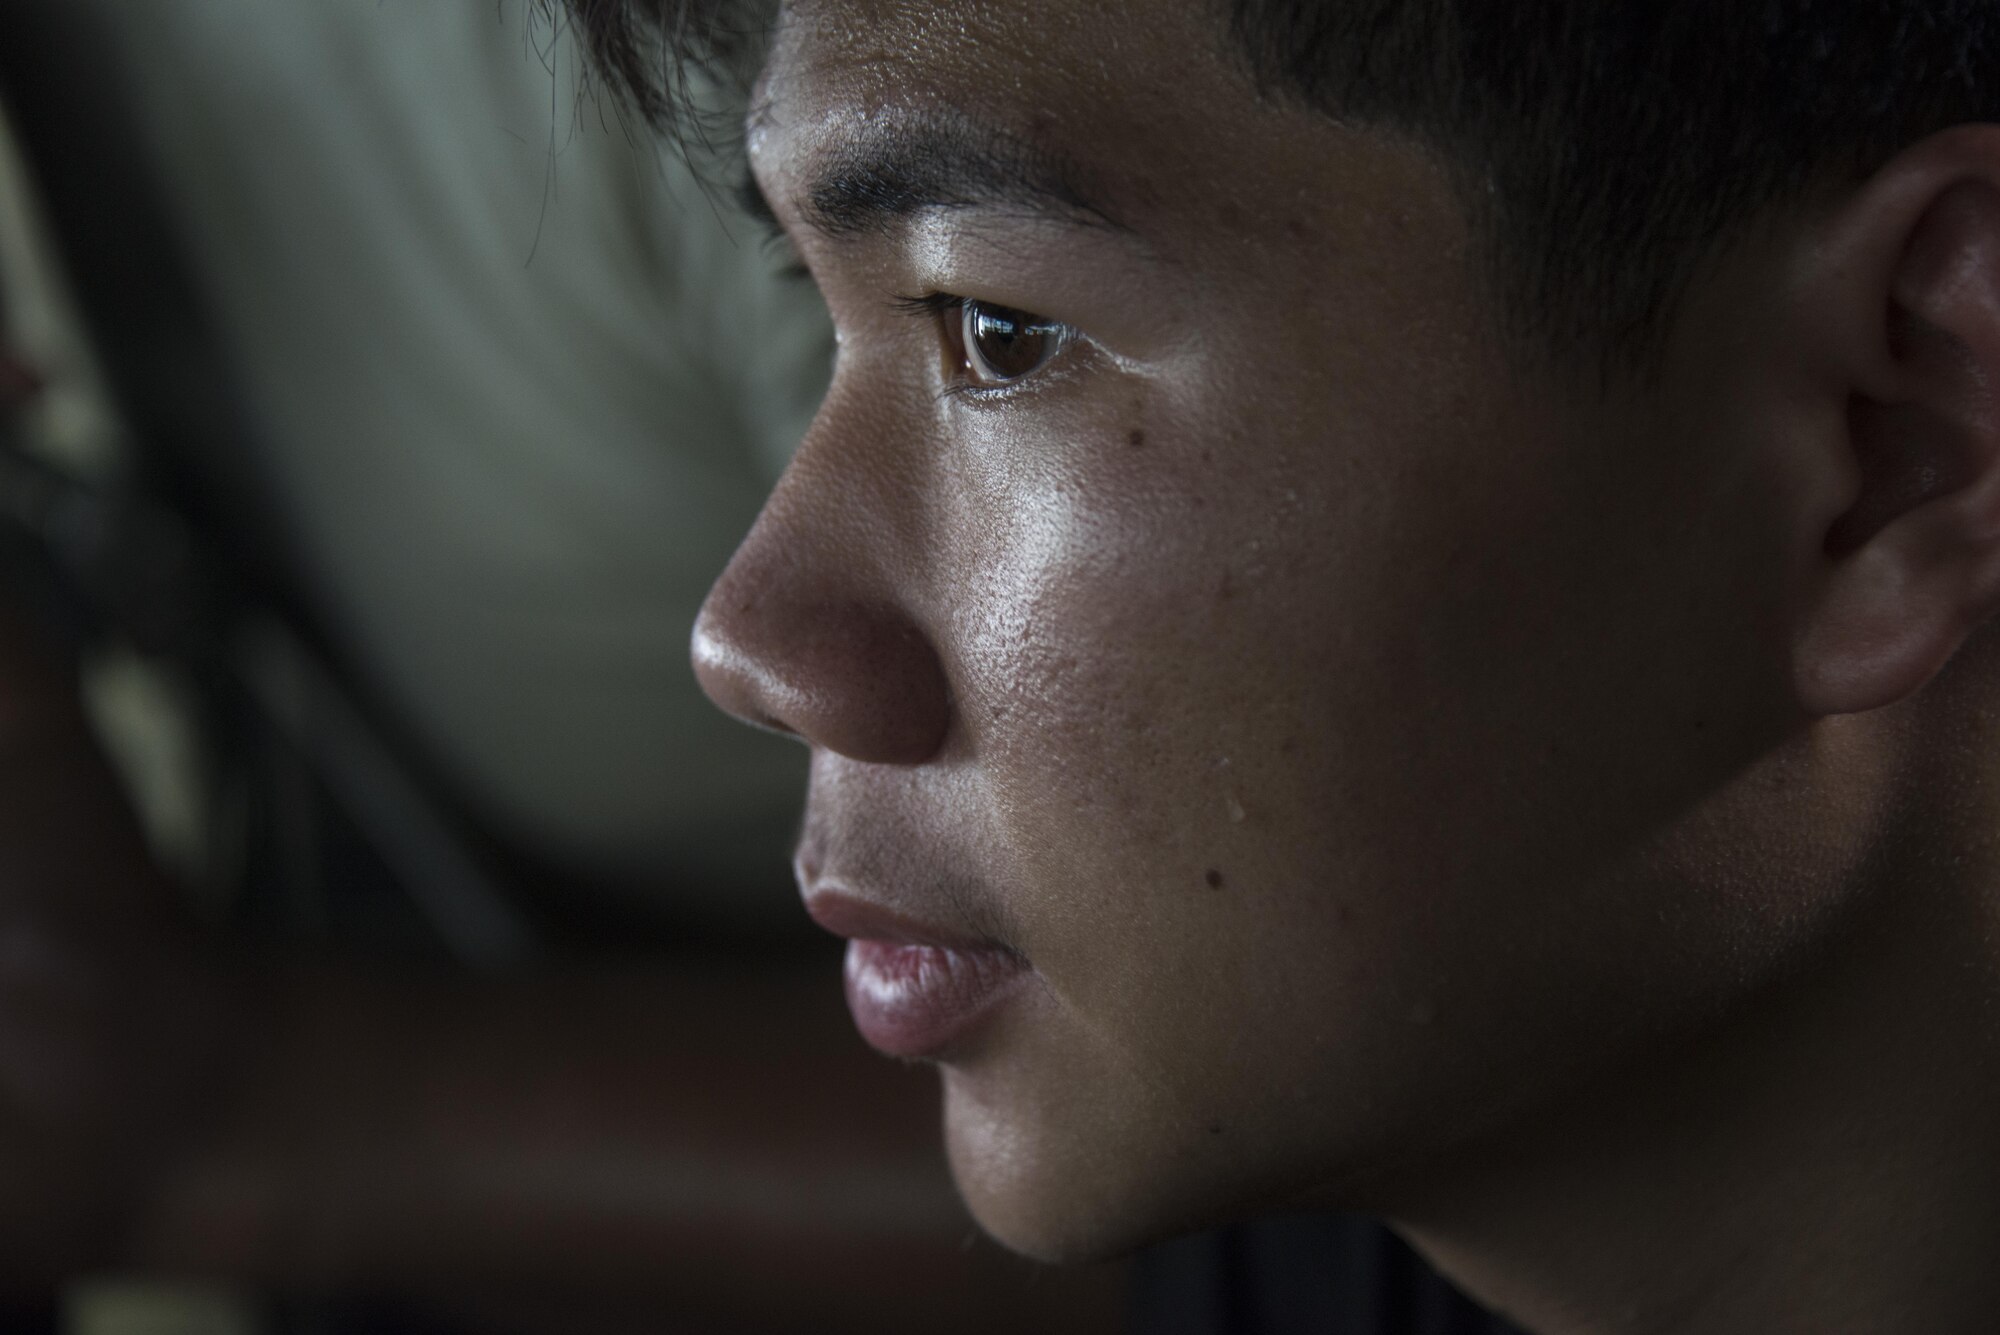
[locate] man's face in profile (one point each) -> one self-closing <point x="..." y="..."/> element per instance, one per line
<point x="1351" y="736"/>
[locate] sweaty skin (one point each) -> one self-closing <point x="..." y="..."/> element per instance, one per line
<point x="1398" y="757"/>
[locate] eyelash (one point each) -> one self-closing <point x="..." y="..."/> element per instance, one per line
<point x="930" y="303"/>
<point x="948" y="310"/>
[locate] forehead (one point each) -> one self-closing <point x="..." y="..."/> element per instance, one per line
<point x="1041" y="64"/>
<point x="1099" y="91"/>
<point x="1146" y="104"/>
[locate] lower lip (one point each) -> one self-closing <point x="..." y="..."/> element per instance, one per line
<point x="917" y="1000"/>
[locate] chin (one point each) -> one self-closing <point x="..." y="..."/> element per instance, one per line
<point x="1030" y="1182"/>
<point x="1065" y="1190"/>
<point x="1057" y="1228"/>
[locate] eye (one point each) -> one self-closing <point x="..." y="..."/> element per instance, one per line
<point x="1001" y="345"/>
<point x="992" y="346"/>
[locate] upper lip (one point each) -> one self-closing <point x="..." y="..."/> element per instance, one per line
<point x="849" y="915"/>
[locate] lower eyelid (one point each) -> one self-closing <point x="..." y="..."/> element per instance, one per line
<point x="1059" y="370"/>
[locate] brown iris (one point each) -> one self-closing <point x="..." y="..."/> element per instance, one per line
<point x="1002" y="345"/>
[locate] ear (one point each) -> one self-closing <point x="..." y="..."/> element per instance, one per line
<point x="1909" y="561"/>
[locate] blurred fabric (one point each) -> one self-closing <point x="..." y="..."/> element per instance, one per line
<point x="517" y="387"/>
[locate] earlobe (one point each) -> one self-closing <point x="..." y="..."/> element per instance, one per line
<point x="1911" y="565"/>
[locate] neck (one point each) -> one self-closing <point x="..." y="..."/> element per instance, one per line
<point x="1826" y="1159"/>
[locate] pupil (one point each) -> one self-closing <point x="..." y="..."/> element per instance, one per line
<point x="1009" y="344"/>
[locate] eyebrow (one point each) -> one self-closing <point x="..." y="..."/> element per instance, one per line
<point x="915" y="163"/>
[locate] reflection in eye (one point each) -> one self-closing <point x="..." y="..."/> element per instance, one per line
<point x="994" y="346"/>
<point x="1003" y="345"/>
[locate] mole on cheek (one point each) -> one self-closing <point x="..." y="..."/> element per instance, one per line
<point x="1137" y="440"/>
<point x="1214" y="879"/>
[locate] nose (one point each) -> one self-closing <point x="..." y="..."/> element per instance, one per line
<point x="802" y="636"/>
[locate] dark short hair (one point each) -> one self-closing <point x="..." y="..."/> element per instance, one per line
<point x="1606" y="149"/>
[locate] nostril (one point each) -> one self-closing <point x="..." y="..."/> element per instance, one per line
<point x="768" y="722"/>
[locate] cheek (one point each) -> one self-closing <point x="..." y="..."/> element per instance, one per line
<point x="1141" y="671"/>
<point x="1269" y="726"/>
